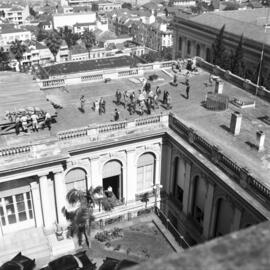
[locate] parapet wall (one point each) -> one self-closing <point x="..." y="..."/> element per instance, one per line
<point x="101" y="75"/>
<point x="234" y="79"/>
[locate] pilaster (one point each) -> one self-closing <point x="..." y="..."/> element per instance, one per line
<point x="236" y="219"/>
<point x="131" y="179"/>
<point x="187" y="189"/>
<point x="36" y="204"/>
<point x="208" y="209"/>
<point x="96" y="177"/>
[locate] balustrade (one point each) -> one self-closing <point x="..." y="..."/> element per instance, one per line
<point x="15" y="150"/>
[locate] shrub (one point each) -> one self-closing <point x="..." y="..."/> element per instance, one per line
<point x="153" y="77"/>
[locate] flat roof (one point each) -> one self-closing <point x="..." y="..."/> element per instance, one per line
<point x="212" y="125"/>
<point x="88" y="65"/>
<point x="247" y="22"/>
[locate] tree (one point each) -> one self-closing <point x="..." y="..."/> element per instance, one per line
<point x="127" y="5"/>
<point x="89" y="40"/>
<point x="218" y="48"/>
<point x="53" y="42"/>
<point x="231" y="6"/>
<point x="18" y="49"/>
<point x="238" y="58"/>
<point x="69" y="37"/>
<point x="32" y="12"/>
<point x="4" y="58"/>
<point x="80" y="215"/>
<point x="42" y="34"/>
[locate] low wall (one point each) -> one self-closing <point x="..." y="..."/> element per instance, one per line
<point x="234" y="79"/>
<point x="101" y="75"/>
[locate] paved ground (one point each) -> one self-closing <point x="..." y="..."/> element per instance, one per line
<point x="212" y="125"/>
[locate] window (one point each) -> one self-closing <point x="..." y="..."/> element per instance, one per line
<point x="145" y="172"/>
<point x="76" y="178"/>
<point x="16" y="208"/>
<point x="208" y="55"/>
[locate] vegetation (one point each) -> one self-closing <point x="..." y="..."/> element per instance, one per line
<point x="218" y="49"/>
<point x="18" y="49"/>
<point x="89" y="40"/>
<point x="145" y="198"/>
<point x="164" y="55"/>
<point x="42" y="34"/>
<point x="127" y="5"/>
<point x="107" y="236"/>
<point x="81" y="215"/>
<point x="70" y="38"/>
<point x="53" y="42"/>
<point x="4" y="58"/>
<point x="237" y="59"/>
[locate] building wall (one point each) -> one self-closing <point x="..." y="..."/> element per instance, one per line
<point x="62" y="20"/>
<point x="6" y="38"/>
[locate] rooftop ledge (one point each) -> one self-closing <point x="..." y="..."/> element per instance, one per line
<point x="248" y="249"/>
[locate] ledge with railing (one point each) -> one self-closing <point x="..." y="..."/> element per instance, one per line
<point x="239" y="174"/>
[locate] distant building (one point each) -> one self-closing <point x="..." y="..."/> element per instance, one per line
<point x="11" y="32"/>
<point x="46" y="25"/>
<point x="183" y="3"/>
<point x="156" y="35"/>
<point x="74" y="3"/>
<point x="195" y="35"/>
<point x="62" y="20"/>
<point x="14" y="13"/>
<point x="105" y="6"/>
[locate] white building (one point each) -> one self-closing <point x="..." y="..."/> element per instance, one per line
<point x="74" y="3"/>
<point x="9" y="33"/>
<point x="15" y="14"/>
<point x="183" y="3"/>
<point x="62" y="20"/>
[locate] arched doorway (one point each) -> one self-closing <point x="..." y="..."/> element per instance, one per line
<point x="224" y="217"/>
<point x="199" y="195"/>
<point x="112" y="176"/>
<point x="76" y="178"/>
<point x="198" y="50"/>
<point x="145" y="172"/>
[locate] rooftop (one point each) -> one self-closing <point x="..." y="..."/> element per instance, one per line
<point x="88" y="65"/>
<point x="248" y="22"/>
<point x="212" y="125"/>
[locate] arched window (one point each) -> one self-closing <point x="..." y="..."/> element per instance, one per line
<point x="76" y="178"/>
<point x="145" y="172"/>
<point x="180" y="44"/>
<point x="198" y="50"/>
<point x="199" y="194"/>
<point x="113" y="177"/>
<point x="188" y="47"/>
<point x="224" y="217"/>
<point x="208" y="55"/>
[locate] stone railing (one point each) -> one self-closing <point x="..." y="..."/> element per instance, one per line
<point x="15" y="150"/>
<point x="96" y="132"/>
<point x="100" y="75"/>
<point x="234" y="79"/>
<point x="239" y="174"/>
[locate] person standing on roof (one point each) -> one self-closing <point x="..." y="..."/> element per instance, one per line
<point x="34" y="119"/>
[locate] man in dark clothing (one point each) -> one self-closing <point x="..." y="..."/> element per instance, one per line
<point x="116" y="115"/>
<point x="17" y="125"/>
<point x="82" y="99"/>
<point x="187" y="91"/>
<point x="103" y="105"/>
<point x="118" y="97"/>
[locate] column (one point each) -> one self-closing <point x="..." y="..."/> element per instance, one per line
<point x="45" y="201"/>
<point x="208" y="208"/>
<point x="193" y="48"/>
<point x="166" y="167"/>
<point x="187" y="188"/>
<point x="60" y="193"/>
<point x="203" y="51"/>
<point x="36" y="204"/>
<point x="96" y="173"/>
<point x="184" y="47"/>
<point x="131" y="185"/>
<point x="236" y="219"/>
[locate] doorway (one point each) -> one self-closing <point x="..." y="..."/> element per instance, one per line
<point x="114" y="182"/>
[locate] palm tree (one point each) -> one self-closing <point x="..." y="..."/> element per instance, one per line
<point x="89" y="40"/>
<point x="54" y="42"/>
<point x="80" y="214"/>
<point x="18" y="49"/>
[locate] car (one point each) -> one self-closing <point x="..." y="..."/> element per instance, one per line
<point x="19" y="262"/>
<point x="78" y="261"/>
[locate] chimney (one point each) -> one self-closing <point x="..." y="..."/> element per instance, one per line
<point x="260" y="139"/>
<point x="219" y="86"/>
<point x="236" y="120"/>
